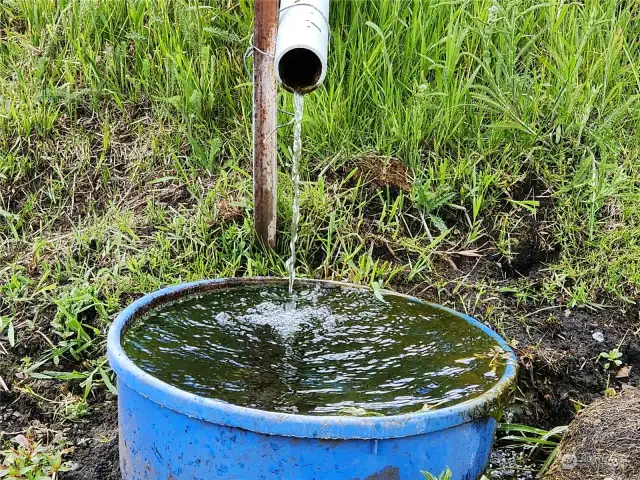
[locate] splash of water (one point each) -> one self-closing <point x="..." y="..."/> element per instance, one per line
<point x="298" y="106"/>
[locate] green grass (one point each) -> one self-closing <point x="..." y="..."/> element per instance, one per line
<point x="125" y="156"/>
<point x="538" y="448"/>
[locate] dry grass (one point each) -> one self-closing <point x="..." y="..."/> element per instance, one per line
<point x="603" y="442"/>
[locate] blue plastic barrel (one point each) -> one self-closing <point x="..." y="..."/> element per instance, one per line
<point x="169" y="434"/>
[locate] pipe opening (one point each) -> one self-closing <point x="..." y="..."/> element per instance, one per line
<point x="299" y="70"/>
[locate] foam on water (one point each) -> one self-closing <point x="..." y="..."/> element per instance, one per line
<point x="287" y="321"/>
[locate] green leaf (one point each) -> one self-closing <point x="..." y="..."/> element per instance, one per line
<point x="88" y="383"/>
<point x="376" y="28"/>
<point x="377" y="286"/>
<point x="175" y="101"/>
<point x="438" y="223"/>
<point x="214" y="148"/>
<point x="195" y="100"/>
<point x="509" y="427"/>
<point x="27" y="469"/>
<point x="548" y="462"/>
<point x="107" y="381"/>
<point x="223" y="35"/>
<point x="65" y="375"/>
<point x="534" y="440"/>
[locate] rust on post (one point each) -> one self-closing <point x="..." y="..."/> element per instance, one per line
<point x="264" y="121"/>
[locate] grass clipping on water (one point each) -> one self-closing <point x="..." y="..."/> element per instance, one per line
<point x="603" y="442"/>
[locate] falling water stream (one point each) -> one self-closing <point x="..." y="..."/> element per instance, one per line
<point x="298" y="106"/>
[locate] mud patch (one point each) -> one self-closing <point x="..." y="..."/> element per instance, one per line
<point x="510" y="464"/>
<point x="533" y="248"/>
<point x="95" y="445"/>
<point x="560" y="368"/>
<point x="530" y="233"/>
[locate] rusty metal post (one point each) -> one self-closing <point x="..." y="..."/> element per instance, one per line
<point x="265" y="160"/>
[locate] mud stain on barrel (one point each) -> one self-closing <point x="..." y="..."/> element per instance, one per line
<point x="387" y="473"/>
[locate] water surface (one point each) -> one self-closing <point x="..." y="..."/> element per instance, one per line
<point x="321" y="351"/>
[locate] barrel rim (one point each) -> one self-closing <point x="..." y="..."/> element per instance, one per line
<point x="289" y="424"/>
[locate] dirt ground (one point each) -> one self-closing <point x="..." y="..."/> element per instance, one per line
<point x="94" y="439"/>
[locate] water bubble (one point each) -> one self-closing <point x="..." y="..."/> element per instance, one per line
<point x="223" y="318"/>
<point x="285" y="320"/>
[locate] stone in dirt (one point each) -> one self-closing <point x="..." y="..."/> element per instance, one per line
<point x="602" y="442"/>
<point x="624" y="372"/>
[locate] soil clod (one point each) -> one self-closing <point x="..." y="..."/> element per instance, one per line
<point x="602" y="442"/>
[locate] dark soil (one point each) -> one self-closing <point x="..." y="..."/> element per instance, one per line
<point x="94" y="438"/>
<point x="559" y="361"/>
<point x="96" y="445"/>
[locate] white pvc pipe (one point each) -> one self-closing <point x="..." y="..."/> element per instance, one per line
<point x="302" y="44"/>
